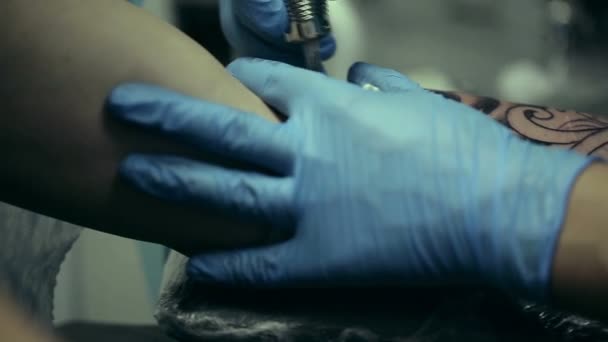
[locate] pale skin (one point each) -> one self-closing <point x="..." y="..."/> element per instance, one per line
<point x="59" y="59"/>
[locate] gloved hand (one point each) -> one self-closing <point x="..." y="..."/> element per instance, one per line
<point x="379" y="187"/>
<point x="256" y="28"/>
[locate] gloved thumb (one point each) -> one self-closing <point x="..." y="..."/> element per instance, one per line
<point x="263" y="267"/>
<point x="386" y="80"/>
<point x="267" y="20"/>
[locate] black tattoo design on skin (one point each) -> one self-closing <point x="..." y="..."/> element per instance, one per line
<point x="582" y="132"/>
<point x="484" y="104"/>
<point x="448" y="95"/>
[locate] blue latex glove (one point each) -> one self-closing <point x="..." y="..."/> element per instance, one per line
<point x="256" y="28"/>
<point x="380" y="187"/>
<point x="137" y="2"/>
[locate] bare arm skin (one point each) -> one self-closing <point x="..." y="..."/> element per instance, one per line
<point x="60" y="152"/>
<point x="580" y="269"/>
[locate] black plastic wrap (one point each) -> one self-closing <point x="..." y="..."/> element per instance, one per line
<point x="191" y="312"/>
<point x="566" y="326"/>
<point x="32" y="249"/>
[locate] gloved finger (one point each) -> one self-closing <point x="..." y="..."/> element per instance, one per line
<point x="216" y="128"/>
<point x="246" y="41"/>
<point x="387" y="80"/>
<point x="246" y="194"/>
<point x="268" y="20"/>
<point x="283" y="86"/>
<point x="263" y="267"/>
<point x="328" y="47"/>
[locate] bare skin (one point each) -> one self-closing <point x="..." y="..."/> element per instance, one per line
<point x="580" y="269"/>
<point x="59" y="61"/>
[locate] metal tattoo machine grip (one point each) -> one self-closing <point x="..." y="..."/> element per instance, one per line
<point x="308" y="23"/>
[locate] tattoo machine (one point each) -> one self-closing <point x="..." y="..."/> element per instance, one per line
<point x="308" y="23"/>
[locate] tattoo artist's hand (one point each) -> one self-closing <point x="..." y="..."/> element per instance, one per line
<point x="378" y="187"/>
<point x="256" y="28"/>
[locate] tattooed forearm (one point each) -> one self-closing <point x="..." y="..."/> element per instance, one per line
<point x="583" y="132"/>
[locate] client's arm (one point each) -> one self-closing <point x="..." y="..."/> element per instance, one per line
<point x="58" y="61"/>
<point x="580" y="267"/>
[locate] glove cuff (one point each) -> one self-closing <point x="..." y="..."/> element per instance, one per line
<point x="527" y="230"/>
